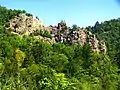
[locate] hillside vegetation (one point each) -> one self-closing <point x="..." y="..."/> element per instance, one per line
<point x="29" y="63"/>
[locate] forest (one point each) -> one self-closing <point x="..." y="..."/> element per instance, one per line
<point x="27" y="63"/>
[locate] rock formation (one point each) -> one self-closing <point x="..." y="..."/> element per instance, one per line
<point x="80" y="36"/>
<point x="24" y="24"/>
<point x="30" y="25"/>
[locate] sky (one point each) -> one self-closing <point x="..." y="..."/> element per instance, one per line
<point x="80" y="12"/>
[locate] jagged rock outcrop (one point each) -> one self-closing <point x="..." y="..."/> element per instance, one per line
<point x="80" y="36"/>
<point x="24" y="24"/>
<point x="32" y="26"/>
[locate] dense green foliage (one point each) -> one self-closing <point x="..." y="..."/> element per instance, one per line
<point x="109" y="32"/>
<point x="30" y="64"/>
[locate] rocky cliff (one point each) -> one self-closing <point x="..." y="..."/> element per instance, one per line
<point x="32" y="26"/>
<point x="64" y="34"/>
<point x="25" y="24"/>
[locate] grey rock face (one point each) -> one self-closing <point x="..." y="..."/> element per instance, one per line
<point x="26" y="25"/>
